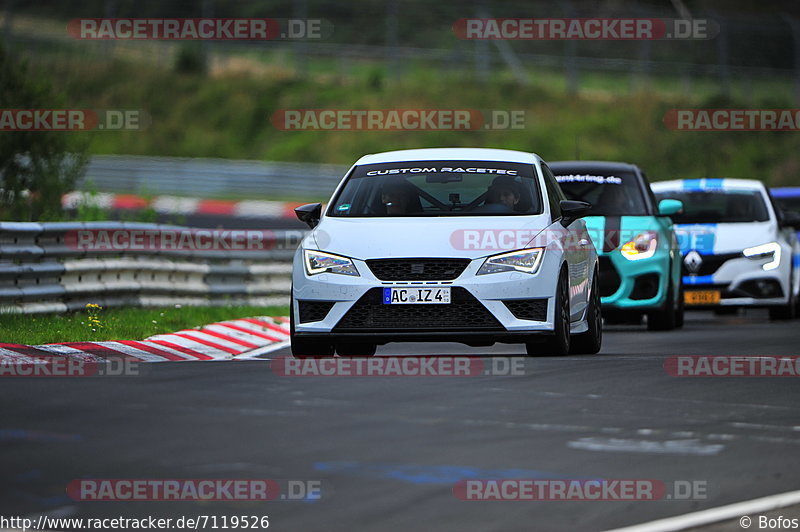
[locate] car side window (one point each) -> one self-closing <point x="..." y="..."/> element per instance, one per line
<point x="554" y="192"/>
<point x="649" y="192"/>
<point x="775" y="208"/>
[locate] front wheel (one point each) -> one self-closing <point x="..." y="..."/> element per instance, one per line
<point x="681" y="310"/>
<point x="665" y="319"/>
<point x="589" y="343"/>
<point x="785" y="312"/>
<point x="558" y="343"/>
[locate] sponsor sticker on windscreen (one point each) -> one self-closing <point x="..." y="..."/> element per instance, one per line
<point x="416" y="296"/>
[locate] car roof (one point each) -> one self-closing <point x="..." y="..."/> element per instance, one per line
<point x="708" y="184"/>
<point x="455" y="154"/>
<point x="587" y="166"/>
<point x="785" y="192"/>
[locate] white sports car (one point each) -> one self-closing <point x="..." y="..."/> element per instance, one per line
<point x="737" y="248"/>
<point x="448" y="244"/>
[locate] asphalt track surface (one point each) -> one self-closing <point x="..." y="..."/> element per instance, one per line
<point x="388" y="450"/>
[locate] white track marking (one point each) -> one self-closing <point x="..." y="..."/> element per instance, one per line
<point x="715" y="515"/>
<point x="253" y="355"/>
<point x="222" y="329"/>
<point x="191" y="344"/>
<point x="213" y="339"/>
<point x="257" y="328"/>
<point x="144" y="356"/>
<point x="693" y="446"/>
<point x="185" y="356"/>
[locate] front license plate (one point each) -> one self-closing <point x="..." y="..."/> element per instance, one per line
<point x="702" y="297"/>
<point x="416" y="296"/>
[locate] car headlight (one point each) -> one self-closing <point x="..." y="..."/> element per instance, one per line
<point x="523" y="260"/>
<point x="321" y="262"/>
<point x="643" y="246"/>
<point x="771" y="250"/>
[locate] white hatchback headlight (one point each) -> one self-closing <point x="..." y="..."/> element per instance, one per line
<point x="771" y="250"/>
<point x="320" y="262"/>
<point x="523" y="260"/>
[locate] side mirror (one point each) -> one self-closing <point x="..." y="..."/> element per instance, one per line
<point x="668" y="207"/>
<point x="309" y="213"/>
<point x="791" y="219"/>
<point x="572" y="210"/>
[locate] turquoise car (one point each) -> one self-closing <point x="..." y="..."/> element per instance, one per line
<point x="639" y="257"/>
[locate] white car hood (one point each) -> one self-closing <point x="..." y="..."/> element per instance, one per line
<point x="365" y="238"/>
<point x="725" y="237"/>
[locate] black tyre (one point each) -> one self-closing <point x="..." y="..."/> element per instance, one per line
<point x="664" y="319"/>
<point x="788" y="311"/>
<point x="558" y="343"/>
<point x="679" y="312"/>
<point x="616" y="317"/>
<point x="307" y="347"/>
<point x="589" y="343"/>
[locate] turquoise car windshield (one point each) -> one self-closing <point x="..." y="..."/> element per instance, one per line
<point x="618" y="194"/>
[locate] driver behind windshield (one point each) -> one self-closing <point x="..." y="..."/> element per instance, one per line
<point x="399" y="197"/>
<point x="503" y="191"/>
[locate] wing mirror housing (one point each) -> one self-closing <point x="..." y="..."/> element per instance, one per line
<point x="571" y="210"/>
<point x="309" y="213"/>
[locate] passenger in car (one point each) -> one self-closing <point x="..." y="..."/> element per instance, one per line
<point x="503" y="191"/>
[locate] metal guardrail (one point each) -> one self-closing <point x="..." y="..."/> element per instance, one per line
<point x="209" y="177"/>
<point x="42" y="270"/>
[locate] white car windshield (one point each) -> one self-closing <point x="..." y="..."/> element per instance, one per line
<point x="728" y="206"/>
<point x="439" y="188"/>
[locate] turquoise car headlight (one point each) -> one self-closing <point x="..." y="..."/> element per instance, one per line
<point x="771" y="250"/>
<point x="643" y="246"/>
<point x="523" y="260"/>
<point x="320" y="262"/>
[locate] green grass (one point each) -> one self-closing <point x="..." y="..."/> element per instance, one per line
<point x="613" y="117"/>
<point x="118" y="324"/>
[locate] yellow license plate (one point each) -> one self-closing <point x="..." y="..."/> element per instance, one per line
<point x="702" y="297"/>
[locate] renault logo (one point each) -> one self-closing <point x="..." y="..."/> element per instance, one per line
<point x="693" y="261"/>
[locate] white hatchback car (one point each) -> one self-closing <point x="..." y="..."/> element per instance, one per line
<point x="465" y="245"/>
<point x="738" y="249"/>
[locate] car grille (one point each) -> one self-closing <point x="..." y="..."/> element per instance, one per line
<point x="463" y="313"/>
<point x="528" y="309"/>
<point x="711" y="263"/>
<point x="417" y="269"/>
<point x="609" y="278"/>
<point x="313" y="310"/>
